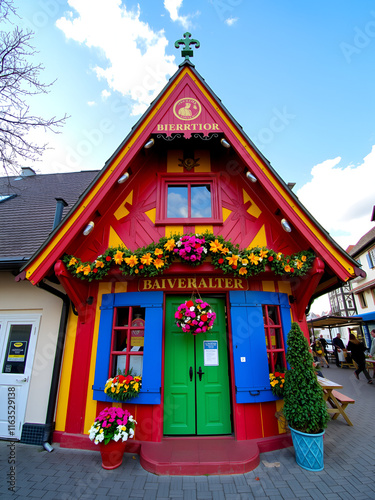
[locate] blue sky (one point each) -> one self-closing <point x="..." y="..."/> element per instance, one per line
<point x="298" y="76"/>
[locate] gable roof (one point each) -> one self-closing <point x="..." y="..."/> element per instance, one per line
<point x="27" y="214"/>
<point x="185" y="84"/>
<point x="364" y="242"/>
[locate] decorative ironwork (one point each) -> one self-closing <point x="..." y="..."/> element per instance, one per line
<point x="205" y="138"/>
<point x="169" y="137"/>
<point x="186" y="42"/>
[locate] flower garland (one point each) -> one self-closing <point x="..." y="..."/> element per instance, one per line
<point x="195" y="317"/>
<point x="153" y="259"/>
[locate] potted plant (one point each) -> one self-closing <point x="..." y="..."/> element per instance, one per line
<point x="123" y="387"/>
<point x="111" y="429"/>
<point x="304" y="407"/>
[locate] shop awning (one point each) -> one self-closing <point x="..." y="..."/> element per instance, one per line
<point x="334" y="321"/>
<point x="367" y="316"/>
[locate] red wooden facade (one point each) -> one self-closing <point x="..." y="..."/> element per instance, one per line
<point x="186" y="126"/>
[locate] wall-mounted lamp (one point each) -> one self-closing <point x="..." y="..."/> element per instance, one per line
<point x="149" y="144"/>
<point x="285" y="225"/>
<point x="88" y="228"/>
<point x="225" y="143"/>
<point x="251" y="177"/>
<point x="123" y="178"/>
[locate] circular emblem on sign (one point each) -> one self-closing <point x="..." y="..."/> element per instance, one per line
<point x="187" y="108"/>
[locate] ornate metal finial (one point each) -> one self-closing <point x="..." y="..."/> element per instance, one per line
<point x="187" y="51"/>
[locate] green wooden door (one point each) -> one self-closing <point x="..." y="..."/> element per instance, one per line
<point x="196" y="376"/>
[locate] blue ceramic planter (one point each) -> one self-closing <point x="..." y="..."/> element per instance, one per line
<point x="308" y="449"/>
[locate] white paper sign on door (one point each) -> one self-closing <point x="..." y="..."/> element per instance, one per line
<point x="211" y="352"/>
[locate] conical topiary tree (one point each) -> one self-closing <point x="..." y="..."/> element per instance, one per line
<point x="304" y="406"/>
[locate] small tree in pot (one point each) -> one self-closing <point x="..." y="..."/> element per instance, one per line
<point x="304" y="407"/>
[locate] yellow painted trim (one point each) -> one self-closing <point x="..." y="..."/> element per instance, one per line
<point x="204" y="161"/>
<point x="260" y="239"/>
<point x="132" y="140"/>
<point x="122" y="211"/>
<point x="203" y="229"/>
<point x="284" y="287"/>
<point x="114" y="239"/>
<point x="151" y="214"/>
<point x="173" y="159"/>
<point x="169" y="230"/>
<point x="91" y="405"/>
<point x="121" y="286"/>
<point x="226" y="213"/>
<point x="253" y="210"/>
<point x="66" y="370"/>
<point x="268" y="286"/>
<point x="279" y="407"/>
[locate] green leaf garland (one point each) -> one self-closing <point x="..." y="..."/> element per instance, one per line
<point x="153" y="259"/>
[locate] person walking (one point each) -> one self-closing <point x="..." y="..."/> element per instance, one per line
<point x="324" y="345"/>
<point x="339" y="347"/>
<point x="318" y="352"/>
<point x="372" y="348"/>
<point x="357" y="350"/>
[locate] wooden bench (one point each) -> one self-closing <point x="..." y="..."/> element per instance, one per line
<point x="339" y="402"/>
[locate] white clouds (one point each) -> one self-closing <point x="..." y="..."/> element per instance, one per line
<point x="137" y="64"/>
<point x="231" y="20"/>
<point x="341" y="198"/>
<point x="91" y="103"/>
<point x="173" y="6"/>
<point x="105" y="94"/>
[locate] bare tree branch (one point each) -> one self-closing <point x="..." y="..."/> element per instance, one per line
<point x="19" y="81"/>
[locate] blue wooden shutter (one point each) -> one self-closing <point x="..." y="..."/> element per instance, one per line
<point x="152" y="352"/>
<point x="249" y="343"/>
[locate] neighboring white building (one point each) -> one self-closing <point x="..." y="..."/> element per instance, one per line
<point x="364" y="288"/>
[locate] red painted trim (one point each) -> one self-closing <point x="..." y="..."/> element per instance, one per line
<point x="80" y="375"/>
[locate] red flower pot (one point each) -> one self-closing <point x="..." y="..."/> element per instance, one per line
<point x="112" y="454"/>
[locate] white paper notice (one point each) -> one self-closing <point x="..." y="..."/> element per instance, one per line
<point x="211" y="352"/>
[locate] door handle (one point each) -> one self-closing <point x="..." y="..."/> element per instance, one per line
<point x="200" y="373"/>
<point x="191" y="373"/>
<point x="22" y="379"/>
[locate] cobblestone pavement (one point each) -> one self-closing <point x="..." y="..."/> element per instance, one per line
<point x="349" y="470"/>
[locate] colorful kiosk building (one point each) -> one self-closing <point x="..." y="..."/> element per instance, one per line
<point x="186" y="207"/>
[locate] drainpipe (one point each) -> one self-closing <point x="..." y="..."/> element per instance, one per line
<point x="57" y="365"/>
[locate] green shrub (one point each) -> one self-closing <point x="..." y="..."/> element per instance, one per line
<point x="304" y="407"/>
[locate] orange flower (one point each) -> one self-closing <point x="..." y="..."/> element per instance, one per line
<point x="158" y="251"/>
<point x="287" y="268"/>
<point x="244" y="262"/>
<point x="146" y="259"/>
<point x="232" y="260"/>
<point x="243" y="270"/>
<point x="279" y="255"/>
<point x="118" y="257"/>
<point x="225" y="250"/>
<point x="79" y="269"/>
<point x="303" y="258"/>
<point x="263" y="254"/>
<point x="72" y="261"/>
<point x="299" y="264"/>
<point x="254" y="259"/>
<point x="99" y="263"/>
<point x="158" y="263"/>
<point x="131" y="261"/>
<point x="86" y="270"/>
<point x="216" y="246"/>
<point x="170" y="245"/>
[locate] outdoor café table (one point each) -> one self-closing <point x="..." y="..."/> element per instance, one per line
<point x="337" y="407"/>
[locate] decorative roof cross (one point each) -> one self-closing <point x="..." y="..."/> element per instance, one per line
<point x="187" y="51"/>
